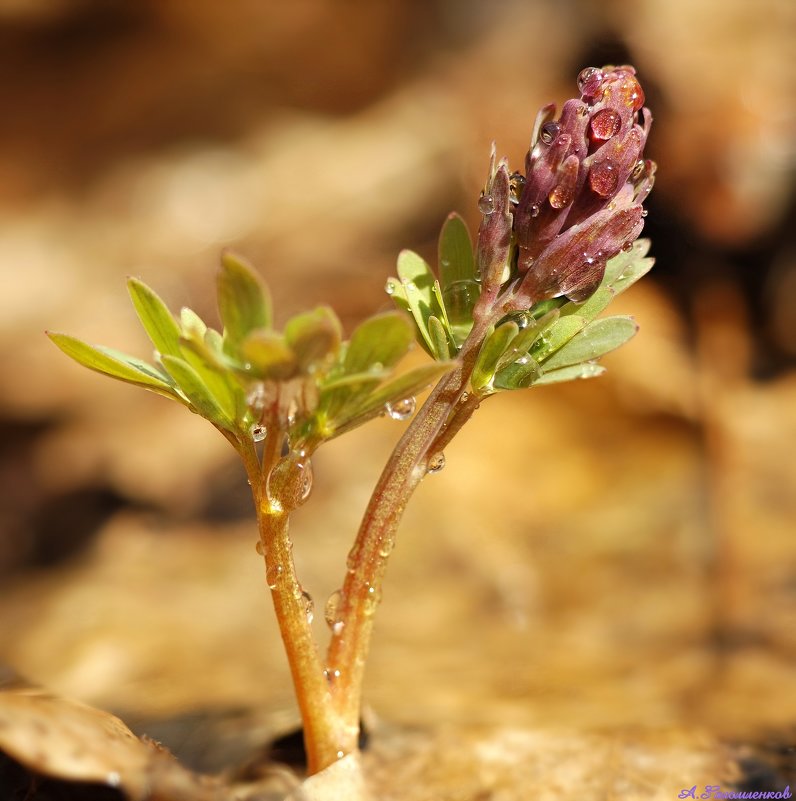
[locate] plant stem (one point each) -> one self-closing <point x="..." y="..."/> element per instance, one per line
<point x="321" y="736"/>
<point x="368" y="558"/>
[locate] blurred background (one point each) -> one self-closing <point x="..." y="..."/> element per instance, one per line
<point x="619" y="553"/>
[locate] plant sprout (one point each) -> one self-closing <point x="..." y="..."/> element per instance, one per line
<point x="556" y="243"/>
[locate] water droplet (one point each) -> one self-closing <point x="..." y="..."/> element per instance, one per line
<point x="309" y="605"/>
<point x="337" y="628"/>
<point x="627" y="246"/>
<point x="631" y="92"/>
<point x="389" y="287"/>
<point x="258" y="432"/>
<point x="340" y="754"/>
<point x="603" y="178"/>
<point x="605" y="124"/>
<point x="561" y="195"/>
<point x="486" y="204"/>
<point x="387" y="546"/>
<point x="401" y="409"/>
<point x="644" y="212"/>
<point x="156" y="355"/>
<point x="306" y="480"/>
<point x="550" y="132"/>
<point x="330" y="610"/>
<point x="258" y="546"/>
<point x="534" y="210"/>
<point x="638" y="170"/>
<point x="436" y="462"/>
<point x="590" y="80"/>
<point x="331" y="676"/>
<point x="272" y="575"/>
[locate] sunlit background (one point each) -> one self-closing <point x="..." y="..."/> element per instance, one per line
<point x="601" y="555"/>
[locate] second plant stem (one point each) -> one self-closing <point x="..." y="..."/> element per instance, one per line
<point x="329" y="696"/>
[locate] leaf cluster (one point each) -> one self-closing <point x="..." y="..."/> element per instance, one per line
<point x="305" y="378"/>
<point x="552" y="341"/>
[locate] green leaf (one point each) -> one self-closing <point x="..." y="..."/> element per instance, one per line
<point x="191" y="324"/>
<point x="595" y="304"/>
<point x="460" y="290"/>
<point x="493" y="348"/>
<point x="314" y="336"/>
<point x="585" y="370"/>
<point x="418" y="285"/>
<point x="197" y="392"/>
<point x="597" y="339"/>
<point x="518" y="375"/>
<point x="380" y="340"/>
<point x="156" y="318"/>
<point x="114" y="364"/>
<point x="557" y="336"/>
<point x="244" y="301"/>
<point x="268" y="356"/>
<point x="354" y="414"/>
<point x="619" y="263"/>
<point x="439" y="338"/>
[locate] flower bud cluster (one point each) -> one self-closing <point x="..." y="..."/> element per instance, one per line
<point x="579" y="201"/>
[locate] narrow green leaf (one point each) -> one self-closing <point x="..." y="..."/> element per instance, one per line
<point x="493" y="348"/>
<point x="268" y="356"/>
<point x="631" y="274"/>
<point x="155" y="316"/>
<point x="191" y="324"/>
<point x="418" y="282"/>
<point x="518" y="375"/>
<point x="557" y="336"/>
<point x="583" y="370"/>
<point x="619" y="263"/>
<point x="439" y="338"/>
<point x="593" y="306"/>
<point x="460" y="290"/>
<point x="244" y="301"/>
<point x="197" y="392"/>
<point x="380" y="340"/>
<point x="314" y="336"/>
<point x="597" y="339"/>
<point x="114" y="364"/>
<point x="403" y="386"/>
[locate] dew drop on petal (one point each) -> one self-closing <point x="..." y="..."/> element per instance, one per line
<point x="534" y="210"/>
<point x="331" y="609"/>
<point x="550" y="132"/>
<point x="258" y="432"/>
<point x="605" y="124"/>
<point x="436" y="462"/>
<point x="604" y="178"/>
<point x="486" y="204"/>
<point x="561" y="196"/>
<point x="590" y="80"/>
<point x="627" y="246"/>
<point x="631" y="92"/>
<point x="272" y="576"/>
<point x="516" y="185"/>
<point x="401" y="409"/>
<point x="638" y="170"/>
<point x="644" y="213"/>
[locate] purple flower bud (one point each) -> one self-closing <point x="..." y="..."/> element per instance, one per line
<point x="494" y="233"/>
<point x="580" y="201"/>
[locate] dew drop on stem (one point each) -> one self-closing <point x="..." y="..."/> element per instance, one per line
<point x="272" y="576"/>
<point x="401" y="409"/>
<point x="332" y="608"/>
<point x="258" y="432"/>
<point x="258" y="546"/>
<point x="309" y="605"/>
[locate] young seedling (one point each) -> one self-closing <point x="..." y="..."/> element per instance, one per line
<point x="556" y="243"/>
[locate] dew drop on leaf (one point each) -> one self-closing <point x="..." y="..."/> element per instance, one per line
<point x="401" y="409"/>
